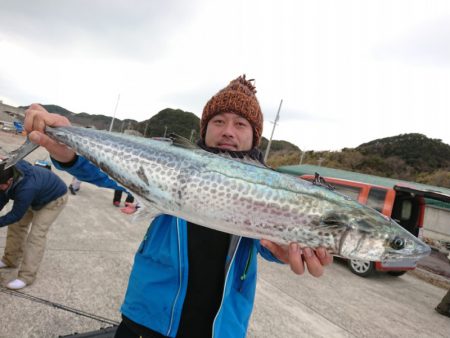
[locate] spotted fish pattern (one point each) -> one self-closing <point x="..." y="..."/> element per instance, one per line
<point x="240" y="198"/>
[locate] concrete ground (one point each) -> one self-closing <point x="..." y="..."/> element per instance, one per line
<point x="89" y="255"/>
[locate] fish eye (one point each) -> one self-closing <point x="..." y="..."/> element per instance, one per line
<point x="397" y="243"/>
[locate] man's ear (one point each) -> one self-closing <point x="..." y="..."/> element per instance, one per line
<point x="10" y="180"/>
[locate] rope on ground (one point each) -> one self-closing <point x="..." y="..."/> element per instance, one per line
<point x="57" y="305"/>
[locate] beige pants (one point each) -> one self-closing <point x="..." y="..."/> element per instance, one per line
<point x="25" y="250"/>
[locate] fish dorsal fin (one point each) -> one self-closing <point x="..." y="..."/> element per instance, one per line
<point x="180" y="141"/>
<point x="162" y="139"/>
<point x="240" y="157"/>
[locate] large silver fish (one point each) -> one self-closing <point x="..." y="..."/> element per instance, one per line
<point x="240" y="198"/>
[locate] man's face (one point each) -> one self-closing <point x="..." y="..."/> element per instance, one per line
<point x="229" y="131"/>
<point x="5" y="186"/>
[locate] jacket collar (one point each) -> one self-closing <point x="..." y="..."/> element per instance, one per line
<point x="254" y="154"/>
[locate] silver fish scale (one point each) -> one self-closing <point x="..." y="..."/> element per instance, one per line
<point x="239" y="198"/>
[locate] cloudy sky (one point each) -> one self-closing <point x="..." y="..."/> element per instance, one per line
<point x="348" y="71"/>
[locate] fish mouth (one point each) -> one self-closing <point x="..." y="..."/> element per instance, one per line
<point x="356" y="243"/>
<point x="413" y="249"/>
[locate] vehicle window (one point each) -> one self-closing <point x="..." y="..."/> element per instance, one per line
<point x="406" y="210"/>
<point x="376" y="198"/>
<point x="352" y="192"/>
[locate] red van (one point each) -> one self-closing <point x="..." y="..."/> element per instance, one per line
<point x="402" y="201"/>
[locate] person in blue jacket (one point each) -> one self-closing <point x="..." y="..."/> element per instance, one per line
<point x="39" y="196"/>
<point x="188" y="280"/>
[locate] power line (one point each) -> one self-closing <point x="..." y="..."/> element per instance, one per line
<point x="115" y="110"/>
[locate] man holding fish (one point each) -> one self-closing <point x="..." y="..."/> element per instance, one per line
<point x="188" y="280"/>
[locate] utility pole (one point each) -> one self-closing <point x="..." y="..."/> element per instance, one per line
<point x="301" y="157"/>
<point x="146" y="126"/>
<point x="266" y="155"/>
<point x="115" y="110"/>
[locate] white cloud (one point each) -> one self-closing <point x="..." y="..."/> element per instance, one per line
<point x="348" y="71"/>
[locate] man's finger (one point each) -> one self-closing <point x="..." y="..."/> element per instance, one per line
<point x="324" y="256"/>
<point x="29" y="119"/>
<point x="58" y="151"/>
<point x="36" y="118"/>
<point x="43" y="140"/>
<point x="313" y="264"/>
<point x="295" y="259"/>
<point x="278" y="251"/>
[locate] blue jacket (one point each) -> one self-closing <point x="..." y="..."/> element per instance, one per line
<point x="33" y="187"/>
<point x="158" y="281"/>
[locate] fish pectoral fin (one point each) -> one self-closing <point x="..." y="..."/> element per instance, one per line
<point x="240" y="156"/>
<point x="331" y="226"/>
<point x="146" y="213"/>
<point x="180" y="141"/>
<point x="334" y="220"/>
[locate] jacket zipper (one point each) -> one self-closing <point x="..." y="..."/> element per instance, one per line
<point x="247" y="266"/>
<point x="225" y="285"/>
<point x="179" y="286"/>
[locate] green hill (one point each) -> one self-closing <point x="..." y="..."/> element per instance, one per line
<point x="416" y="150"/>
<point x="411" y="157"/>
<point x="171" y="121"/>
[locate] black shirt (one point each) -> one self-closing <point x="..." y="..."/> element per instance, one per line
<point x="207" y="250"/>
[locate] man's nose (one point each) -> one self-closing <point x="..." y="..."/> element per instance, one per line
<point x="229" y="129"/>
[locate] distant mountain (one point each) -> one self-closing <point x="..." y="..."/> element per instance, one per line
<point x="176" y="120"/>
<point x="57" y="110"/>
<point x="416" y="150"/>
<point x="101" y="122"/>
<point x="171" y="121"/>
<point x="411" y="157"/>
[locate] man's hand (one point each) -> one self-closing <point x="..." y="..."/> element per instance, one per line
<point x="36" y="119"/>
<point x="315" y="260"/>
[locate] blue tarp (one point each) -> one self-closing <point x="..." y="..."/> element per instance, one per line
<point x="18" y="126"/>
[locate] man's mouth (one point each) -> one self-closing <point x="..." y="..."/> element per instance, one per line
<point x="227" y="146"/>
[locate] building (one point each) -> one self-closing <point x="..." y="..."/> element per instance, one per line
<point x="10" y="114"/>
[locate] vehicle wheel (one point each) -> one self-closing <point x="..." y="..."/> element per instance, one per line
<point x="360" y="268"/>
<point x="396" y="273"/>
